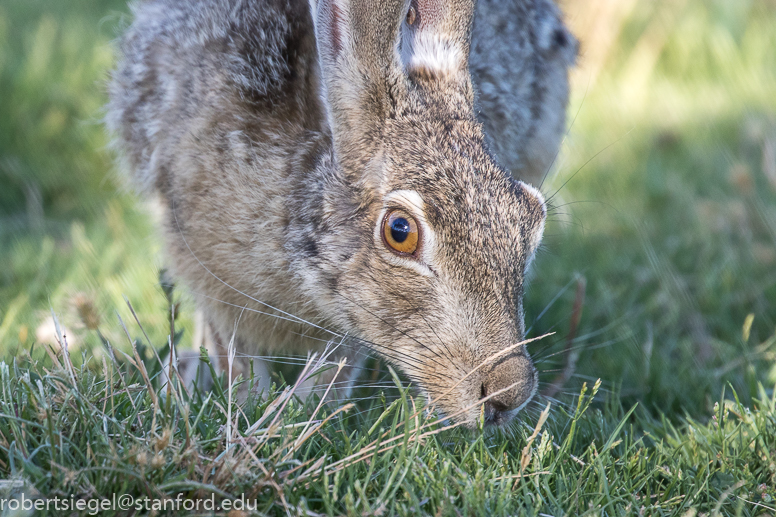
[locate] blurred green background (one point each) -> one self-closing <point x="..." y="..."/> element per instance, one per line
<point x="664" y="196"/>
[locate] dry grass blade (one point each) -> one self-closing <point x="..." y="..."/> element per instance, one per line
<point x="62" y="341"/>
<point x="140" y="365"/>
<point x="230" y="351"/>
<point x="525" y="455"/>
<point x="340" y="366"/>
<point x="571" y="353"/>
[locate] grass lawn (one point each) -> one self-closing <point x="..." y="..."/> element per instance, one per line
<point x="657" y="277"/>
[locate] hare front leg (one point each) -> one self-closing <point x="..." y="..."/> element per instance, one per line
<point x="195" y="373"/>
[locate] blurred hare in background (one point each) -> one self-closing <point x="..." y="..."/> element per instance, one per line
<point x="325" y="166"/>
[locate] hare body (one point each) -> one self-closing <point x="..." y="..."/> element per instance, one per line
<point x="521" y="52"/>
<point x="279" y="145"/>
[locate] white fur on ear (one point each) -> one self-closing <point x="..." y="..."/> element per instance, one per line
<point x="436" y="53"/>
<point x="536" y="237"/>
<point x="535" y="192"/>
<point x="432" y="42"/>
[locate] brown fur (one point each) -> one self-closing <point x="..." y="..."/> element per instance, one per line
<point x="276" y="149"/>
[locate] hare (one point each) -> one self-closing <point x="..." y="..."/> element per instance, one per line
<point x="521" y="52"/>
<point x="323" y="176"/>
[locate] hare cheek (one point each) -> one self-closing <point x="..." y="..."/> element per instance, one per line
<point x="418" y="265"/>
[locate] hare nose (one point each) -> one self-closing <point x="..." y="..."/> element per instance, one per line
<point x="509" y="385"/>
<point x="504" y="401"/>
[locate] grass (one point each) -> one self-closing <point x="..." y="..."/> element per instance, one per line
<point x="657" y="275"/>
<point x="113" y="427"/>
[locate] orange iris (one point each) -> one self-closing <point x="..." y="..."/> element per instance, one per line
<point x="400" y="232"/>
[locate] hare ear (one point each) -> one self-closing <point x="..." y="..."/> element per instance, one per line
<point x="358" y="43"/>
<point x="437" y="39"/>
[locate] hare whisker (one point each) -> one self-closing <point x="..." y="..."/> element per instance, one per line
<point x="293" y="319"/>
<point x="293" y="316"/>
<point x="382" y="349"/>
<point x="337" y="291"/>
<point x="551" y="303"/>
<point x="428" y="324"/>
<point x="565" y="136"/>
<point x="551" y="207"/>
<point x="397" y="360"/>
<point x="549" y="200"/>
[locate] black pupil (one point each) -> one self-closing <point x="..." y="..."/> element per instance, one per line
<point x="400" y="229"/>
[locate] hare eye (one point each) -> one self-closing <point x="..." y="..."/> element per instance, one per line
<point x="400" y="232"/>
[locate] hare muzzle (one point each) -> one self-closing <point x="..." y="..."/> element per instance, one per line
<point x="507" y="387"/>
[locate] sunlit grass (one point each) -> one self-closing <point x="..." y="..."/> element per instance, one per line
<point x="115" y="426"/>
<point x="673" y="219"/>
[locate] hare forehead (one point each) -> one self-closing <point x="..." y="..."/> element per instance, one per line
<point x="491" y="209"/>
<point x="485" y="230"/>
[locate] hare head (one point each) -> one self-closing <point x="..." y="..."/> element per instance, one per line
<point x="422" y="243"/>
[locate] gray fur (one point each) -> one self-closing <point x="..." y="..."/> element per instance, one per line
<point x="275" y="167"/>
<point x="521" y="51"/>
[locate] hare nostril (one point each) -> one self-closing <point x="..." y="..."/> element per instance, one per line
<point x="495" y="412"/>
<point x="492" y="405"/>
<point x="495" y="406"/>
